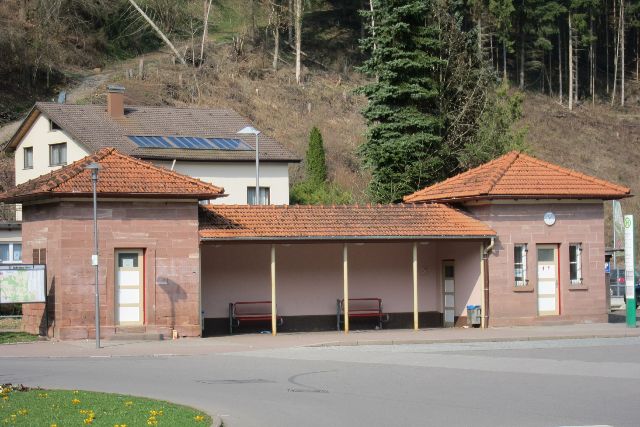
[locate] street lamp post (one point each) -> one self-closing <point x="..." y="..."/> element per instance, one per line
<point x="94" y="168"/>
<point x="250" y="130"/>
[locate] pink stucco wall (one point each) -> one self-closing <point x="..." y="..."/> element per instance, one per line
<point x="521" y="222"/>
<point x="309" y="276"/>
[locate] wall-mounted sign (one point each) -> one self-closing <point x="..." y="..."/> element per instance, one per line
<point x="22" y="283"/>
<point x="549" y="218"/>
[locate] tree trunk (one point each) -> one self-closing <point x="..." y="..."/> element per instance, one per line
<point x="576" y="58"/>
<point x="591" y="60"/>
<point x="622" y="53"/>
<point x="160" y="33"/>
<point x="491" y="50"/>
<point x="290" y="26"/>
<point x="522" y="38"/>
<point x="504" y="61"/>
<point x="276" y="46"/>
<point x="560" y="65"/>
<point x="606" y="33"/>
<point x="615" y="63"/>
<point x="205" y="28"/>
<point x="480" y="37"/>
<point x="252" y="20"/>
<point x="570" y="66"/>
<point x="298" y="37"/>
<point x="373" y="24"/>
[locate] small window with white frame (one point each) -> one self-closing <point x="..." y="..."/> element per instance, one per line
<point x="28" y="157"/>
<point x="265" y="196"/>
<point x="58" y="154"/>
<point x="575" y="263"/>
<point x="520" y="264"/>
<point x="53" y="126"/>
<point x="10" y="253"/>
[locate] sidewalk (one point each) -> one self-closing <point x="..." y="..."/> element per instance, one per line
<point x="251" y="342"/>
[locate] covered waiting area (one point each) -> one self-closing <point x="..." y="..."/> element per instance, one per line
<point x="309" y="262"/>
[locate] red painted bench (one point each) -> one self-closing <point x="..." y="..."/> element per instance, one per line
<point x="250" y="311"/>
<point x="361" y="308"/>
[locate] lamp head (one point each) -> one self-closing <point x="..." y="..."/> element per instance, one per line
<point x="94" y="168"/>
<point x="249" y="130"/>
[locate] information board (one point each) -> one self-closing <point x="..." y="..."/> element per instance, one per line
<point x="22" y="283"/>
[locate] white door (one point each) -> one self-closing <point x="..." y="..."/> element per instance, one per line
<point x="547" y="280"/>
<point x="129" y="287"/>
<point x="448" y="287"/>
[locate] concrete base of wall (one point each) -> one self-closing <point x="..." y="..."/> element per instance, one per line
<point x="220" y="326"/>
<point x="548" y="320"/>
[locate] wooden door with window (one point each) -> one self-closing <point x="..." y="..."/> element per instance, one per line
<point x="548" y="284"/>
<point x="448" y="288"/>
<point x="129" y="286"/>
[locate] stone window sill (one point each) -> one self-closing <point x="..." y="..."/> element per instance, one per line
<point x="528" y="288"/>
<point x="578" y="288"/>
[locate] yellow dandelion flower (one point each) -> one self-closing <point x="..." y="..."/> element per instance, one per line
<point x="128" y="403"/>
<point x="88" y="420"/>
<point x="199" y="418"/>
<point x="53" y="425"/>
<point x="75" y="401"/>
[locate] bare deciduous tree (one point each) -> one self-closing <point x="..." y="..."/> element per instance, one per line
<point x="298" y="25"/>
<point x="159" y="32"/>
<point x="205" y="28"/>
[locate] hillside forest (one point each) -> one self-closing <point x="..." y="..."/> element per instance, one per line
<point x="402" y="93"/>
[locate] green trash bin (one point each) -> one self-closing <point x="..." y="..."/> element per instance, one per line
<point x="474" y="315"/>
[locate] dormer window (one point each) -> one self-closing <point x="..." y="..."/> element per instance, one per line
<point x="53" y="126"/>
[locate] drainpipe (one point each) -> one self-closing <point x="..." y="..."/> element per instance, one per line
<point x="173" y="164"/>
<point x="485" y="292"/>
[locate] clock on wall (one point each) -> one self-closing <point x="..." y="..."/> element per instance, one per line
<point x="549" y="218"/>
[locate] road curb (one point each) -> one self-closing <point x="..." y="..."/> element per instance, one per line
<point x="634" y="334"/>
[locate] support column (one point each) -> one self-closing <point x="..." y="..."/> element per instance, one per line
<point x="345" y="281"/>
<point x="415" y="286"/>
<point x="274" y="314"/>
<point x="483" y="323"/>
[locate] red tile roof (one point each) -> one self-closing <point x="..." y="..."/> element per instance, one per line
<point x="519" y="176"/>
<point x="220" y="222"/>
<point x="119" y="176"/>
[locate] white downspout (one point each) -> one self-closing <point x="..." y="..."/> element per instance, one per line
<point x="484" y="252"/>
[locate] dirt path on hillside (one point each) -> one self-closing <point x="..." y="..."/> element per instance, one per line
<point x="83" y="88"/>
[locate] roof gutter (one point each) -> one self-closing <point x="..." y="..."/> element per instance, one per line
<point x="343" y="238"/>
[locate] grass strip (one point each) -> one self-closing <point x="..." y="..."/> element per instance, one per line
<point x="22" y="406"/>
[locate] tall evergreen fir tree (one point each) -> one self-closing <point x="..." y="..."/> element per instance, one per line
<point x="403" y="139"/>
<point x="316" y="163"/>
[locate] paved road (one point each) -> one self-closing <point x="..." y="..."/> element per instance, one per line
<point x="545" y="383"/>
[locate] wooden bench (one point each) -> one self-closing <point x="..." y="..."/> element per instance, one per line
<point x="361" y="308"/>
<point x="250" y="311"/>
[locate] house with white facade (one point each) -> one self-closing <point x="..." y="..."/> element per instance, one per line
<point x="202" y="143"/>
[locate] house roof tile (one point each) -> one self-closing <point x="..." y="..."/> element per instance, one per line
<point x="519" y="176"/>
<point x="283" y="222"/>
<point x="91" y="126"/>
<point x="119" y="176"/>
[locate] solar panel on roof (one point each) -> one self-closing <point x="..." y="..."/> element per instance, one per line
<point x="189" y="142"/>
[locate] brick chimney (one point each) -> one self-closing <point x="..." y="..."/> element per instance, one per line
<point x="115" y="101"/>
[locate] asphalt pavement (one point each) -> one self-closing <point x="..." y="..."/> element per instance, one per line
<point x="560" y="382"/>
